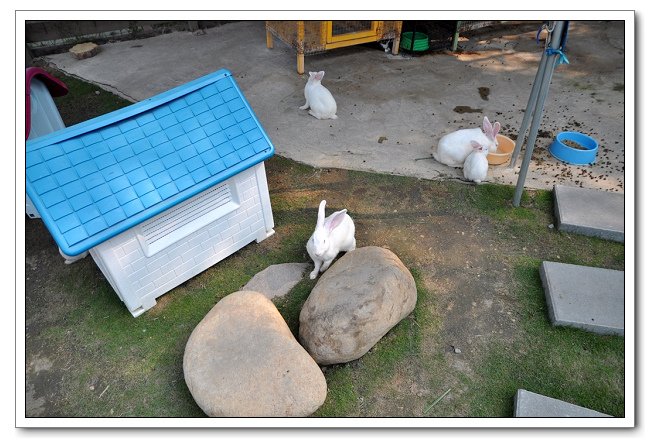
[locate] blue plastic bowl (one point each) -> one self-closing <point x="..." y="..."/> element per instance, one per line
<point x="564" y="153"/>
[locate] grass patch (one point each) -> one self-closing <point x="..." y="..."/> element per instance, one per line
<point x="563" y="363"/>
<point x="342" y="397"/>
<point x="139" y="357"/>
<point x="291" y="305"/>
<point x="496" y="201"/>
<point x="83" y="100"/>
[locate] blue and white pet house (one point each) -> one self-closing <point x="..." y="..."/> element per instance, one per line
<point x="157" y="191"/>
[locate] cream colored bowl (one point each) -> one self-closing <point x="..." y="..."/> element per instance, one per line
<point x="504" y="151"/>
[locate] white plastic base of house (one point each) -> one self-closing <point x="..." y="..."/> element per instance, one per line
<point x="30" y="210"/>
<point x="159" y="254"/>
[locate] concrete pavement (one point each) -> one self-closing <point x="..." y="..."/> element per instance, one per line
<point x="393" y="109"/>
<point x="585" y="297"/>
<point x="590" y="212"/>
<point x="530" y="404"/>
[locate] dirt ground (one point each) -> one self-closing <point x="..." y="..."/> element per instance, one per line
<point x="460" y="261"/>
<point x="464" y="260"/>
<point x="410" y="220"/>
<point x="438" y="245"/>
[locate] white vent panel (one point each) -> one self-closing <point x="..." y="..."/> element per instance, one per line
<point x="186" y="218"/>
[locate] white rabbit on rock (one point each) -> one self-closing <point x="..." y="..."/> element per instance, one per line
<point x="318" y="99"/>
<point x="454" y="147"/>
<point x="331" y="236"/>
<point x="476" y="164"/>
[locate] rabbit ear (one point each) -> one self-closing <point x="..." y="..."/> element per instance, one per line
<point x="476" y="145"/>
<point x="336" y="219"/>
<point x="320" y="75"/>
<point x="487" y="127"/>
<point x="311" y="74"/>
<point x="495" y="129"/>
<point x="321" y="214"/>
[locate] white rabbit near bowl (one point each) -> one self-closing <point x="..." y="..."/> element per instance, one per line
<point x="453" y="148"/>
<point x="318" y="99"/>
<point x="476" y="164"/>
<point x="332" y="235"/>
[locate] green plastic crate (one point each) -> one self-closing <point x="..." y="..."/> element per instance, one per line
<point x="421" y="41"/>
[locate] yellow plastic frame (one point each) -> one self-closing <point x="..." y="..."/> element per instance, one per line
<point x="329" y="41"/>
<point x="342" y="40"/>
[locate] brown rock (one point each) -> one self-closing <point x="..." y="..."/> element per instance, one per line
<point x="354" y="304"/>
<point x="242" y="360"/>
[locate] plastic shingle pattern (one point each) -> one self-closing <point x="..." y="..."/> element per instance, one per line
<point x="118" y="172"/>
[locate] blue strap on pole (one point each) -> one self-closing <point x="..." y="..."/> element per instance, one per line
<point x="561" y="60"/>
<point x="539" y="31"/>
<point x="560" y="51"/>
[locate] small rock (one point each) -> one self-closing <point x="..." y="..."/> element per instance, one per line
<point x="85" y="50"/>
<point x="550" y="226"/>
<point x="457" y="350"/>
<point x="277" y="280"/>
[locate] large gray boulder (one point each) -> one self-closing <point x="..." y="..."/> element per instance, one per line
<point x="242" y="360"/>
<point x="354" y="304"/>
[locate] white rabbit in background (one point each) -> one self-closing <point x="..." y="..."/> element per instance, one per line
<point x="454" y="147"/>
<point x="476" y="164"/>
<point x="331" y="236"/>
<point x="318" y="99"/>
<point x="387" y="46"/>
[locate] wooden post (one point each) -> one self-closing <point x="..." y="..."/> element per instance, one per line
<point x="300" y="41"/>
<point x="269" y="36"/>
<point x="398" y="36"/>
<point x="323" y="32"/>
<point x="301" y="63"/>
<point x="379" y="28"/>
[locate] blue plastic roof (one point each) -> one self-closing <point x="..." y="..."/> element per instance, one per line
<point x="94" y="180"/>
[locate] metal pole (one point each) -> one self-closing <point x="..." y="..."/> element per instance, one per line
<point x="556" y="38"/>
<point x="454" y="43"/>
<point x="530" y="143"/>
<point x="532" y="101"/>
